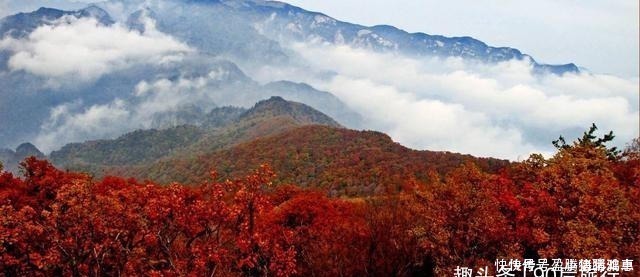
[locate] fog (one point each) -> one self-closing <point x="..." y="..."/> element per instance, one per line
<point x="504" y="110"/>
<point x="501" y="110"/>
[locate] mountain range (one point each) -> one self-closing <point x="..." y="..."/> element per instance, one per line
<point x="221" y="127"/>
<point x="307" y="147"/>
<point x="256" y="138"/>
<point x="11" y="159"/>
<point x="206" y="87"/>
<point x="226" y="38"/>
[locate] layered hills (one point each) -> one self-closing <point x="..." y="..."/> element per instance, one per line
<point x="220" y="128"/>
<point x="223" y="48"/>
<point x="302" y="144"/>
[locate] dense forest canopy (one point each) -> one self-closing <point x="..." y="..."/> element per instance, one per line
<point x="582" y="203"/>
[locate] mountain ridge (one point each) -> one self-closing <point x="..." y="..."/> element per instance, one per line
<point x="309" y="24"/>
<point x="21" y="24"/>
<point x="230" y="126"/>
<point x="392" y="38"/>
<point x="224" y="33"/>
<point x="306" y="146"/>
<point x="276" y="106"/>
<point x="11" y="159"/>
<point x="341" y="161"/>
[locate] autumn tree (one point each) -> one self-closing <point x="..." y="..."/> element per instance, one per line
<point x="584" y="202"/>
<point x="573" y="205"/>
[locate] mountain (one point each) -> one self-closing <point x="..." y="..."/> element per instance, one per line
<point x="22" y="24"/>
<point x="265" y="118"/>
<point x="237" y="175"/>
<point x="131" y="148"/>
<point x="322" y="100"/>
<point x="11" y="159"/>
<point x="283" y="22"/>
<point x="278" y="107"/>
<point x="259" y="29"/>
<point x="339" y="160"/>
<point x="27" y="105"/>
<point x="231" y="43"/>
<point x="220" y="128"/>
<point x="256" y="29"/>
<point x="303" y="145"/>
<point x="219" y="117"/>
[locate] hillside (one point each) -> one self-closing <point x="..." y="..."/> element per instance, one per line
<point x="305" y="146"/>
<point x="63" y="223"/>
<point x="342" y="161"/>
<point x="276" y="107"/>
<point x="222" y="127"/>
<point x="265" y="118"/>
<point x="132" y="148"/>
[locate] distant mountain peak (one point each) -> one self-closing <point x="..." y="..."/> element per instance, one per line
<point x="272" y="99"/>
<point x="136" y="20"/>
<point x="95" y="12"/>
<point x="293" y="23"/>
<point x="277" y="106"/>
<point x="28" y="149"/>
<point x="11" y="159"/>
<point x="45" y="10"/>
<point x="22" y="24"/>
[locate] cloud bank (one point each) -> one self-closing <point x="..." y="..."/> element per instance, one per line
<point x="83" y="50"/>
<point x="501" y="110"/>
<point x="149" y="106"/>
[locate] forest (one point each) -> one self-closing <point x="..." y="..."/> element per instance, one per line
<point x="319" y="138"/>
<point x="581" y="203"/>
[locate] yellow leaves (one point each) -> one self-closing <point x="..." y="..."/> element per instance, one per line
<point x="540" y="236"/>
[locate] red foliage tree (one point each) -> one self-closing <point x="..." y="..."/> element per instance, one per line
<point x="582" y="203"/>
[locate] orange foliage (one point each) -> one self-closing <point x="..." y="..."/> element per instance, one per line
<point x="578" y="204"/>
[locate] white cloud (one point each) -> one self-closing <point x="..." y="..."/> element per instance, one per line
<point x="82" y="49"/>
<point x="72" y="122"/>
<point x="501" y="110"/>
<point x="96" y="122"/>
<point x="426" y="123"/>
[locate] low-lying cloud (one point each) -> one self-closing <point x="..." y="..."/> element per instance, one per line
<point x="82" y="49"/>
<point x="150" y="104"/>
<point x="500" y="110"/>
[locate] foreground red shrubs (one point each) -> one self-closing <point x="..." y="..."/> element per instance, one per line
<point x="579" y="204"/>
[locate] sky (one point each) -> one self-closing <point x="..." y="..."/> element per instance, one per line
<point x="601" y="36"/>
